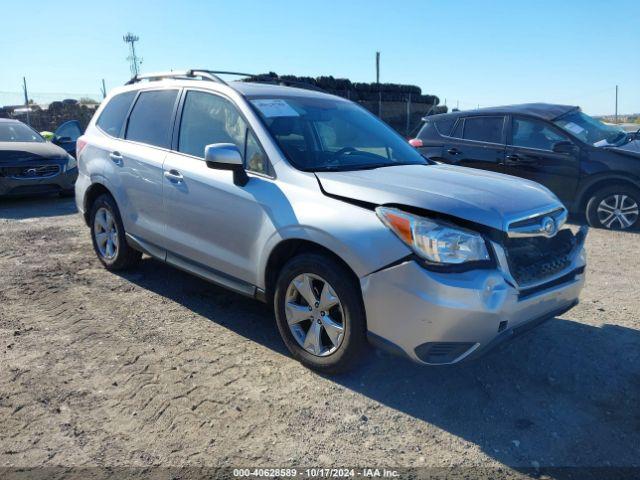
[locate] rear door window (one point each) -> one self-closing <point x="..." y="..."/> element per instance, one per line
<point x="112" y="117"/>
<point x="484" y="129"/>
<point x="151" y="118"/>
<point x="70" y="130"/>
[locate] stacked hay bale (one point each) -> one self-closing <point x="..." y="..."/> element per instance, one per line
<point x="401" y="106"/>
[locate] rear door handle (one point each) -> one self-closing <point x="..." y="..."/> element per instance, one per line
<point x="453" y="151"/>
<point x="116" y="158"/>
<point x="173" y="176"/>
<point x="514" y="158"/>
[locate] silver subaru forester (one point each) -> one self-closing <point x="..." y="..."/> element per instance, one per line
<point x="308" y="202"/>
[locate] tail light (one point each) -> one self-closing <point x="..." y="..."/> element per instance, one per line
<point x="415" y="142"/>
<point x="80" y="144"/>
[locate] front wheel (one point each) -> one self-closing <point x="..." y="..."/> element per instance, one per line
<point x="615" y="208"/>
<point x="319" y="313"/>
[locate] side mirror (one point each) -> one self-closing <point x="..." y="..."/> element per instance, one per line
<point x="564" y="147"/>
<point x="226" y="156"/>
<point x="59" y="140"/>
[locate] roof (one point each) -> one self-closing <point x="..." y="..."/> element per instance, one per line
<point x="252" y="89"/>
<point x="545" y="111"/>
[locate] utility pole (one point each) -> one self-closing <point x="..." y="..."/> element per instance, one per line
<point x="134" y="60"/>
<point x="104" y="89"/>
<point x="26" y="99"/>
<point x="616" y="104"/>
<point x="378" y="83"/>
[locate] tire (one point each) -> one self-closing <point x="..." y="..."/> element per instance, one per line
<point x="601" y="211"/>
<point x="336" y="351"/>
<point x="120" y="256"/>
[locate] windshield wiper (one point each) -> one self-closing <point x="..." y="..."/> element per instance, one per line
<point x="364" y="166"/>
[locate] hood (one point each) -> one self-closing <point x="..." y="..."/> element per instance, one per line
<point x="22" y="152"/>
<point x="632" y="148"/>
<point x="487" y="198"/>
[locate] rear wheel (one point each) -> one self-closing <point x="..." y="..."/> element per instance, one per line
<point x="108" y="235"/>
<point x="319" y="313"/>
<point x="615" y="208"/>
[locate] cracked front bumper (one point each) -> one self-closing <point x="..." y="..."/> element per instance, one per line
<point x="442" y="318"/>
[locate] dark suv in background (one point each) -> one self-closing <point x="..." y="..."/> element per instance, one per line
<point x="592" y="167"/>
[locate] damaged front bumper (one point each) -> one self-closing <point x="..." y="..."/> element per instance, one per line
<point x="442" y="318"/>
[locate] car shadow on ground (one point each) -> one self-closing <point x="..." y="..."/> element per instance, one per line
<point x="41" y="206"/>
<point x="563" y="394"/>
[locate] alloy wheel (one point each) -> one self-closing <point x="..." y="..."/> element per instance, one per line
<point x="105" y="231"/>
<point x="618" y="210"/>
<point x="314" y="314"/>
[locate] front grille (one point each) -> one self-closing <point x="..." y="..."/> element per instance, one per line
<point x="535" y="259"/>
<point x="37" y="171"/>
<point x="535" y="226"/>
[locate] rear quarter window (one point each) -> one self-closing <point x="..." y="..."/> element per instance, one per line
<point x="432" y="129"/>
<point x="445" y="125"/>
<point x="112" y="117"/>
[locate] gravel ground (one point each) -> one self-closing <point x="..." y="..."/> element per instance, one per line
<point x="156" y="367"/>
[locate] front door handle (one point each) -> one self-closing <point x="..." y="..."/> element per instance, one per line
<point x="116" y="158"/>
<point x="453" y="151"/>
<point x="513" y="158"/>
<point x="173" y="176"/>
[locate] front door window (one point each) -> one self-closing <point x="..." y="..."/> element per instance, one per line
<point x="529" y="133"/>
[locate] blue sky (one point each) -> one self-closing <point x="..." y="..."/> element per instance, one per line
<point x="472" y="52"/>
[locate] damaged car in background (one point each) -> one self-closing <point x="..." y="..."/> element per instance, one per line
<point x="310" y="203"/>
<point x="593" y="167"/>
<point x="29" y="165"/>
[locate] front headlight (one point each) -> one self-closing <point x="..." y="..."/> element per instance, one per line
<point x="435" y="241"/>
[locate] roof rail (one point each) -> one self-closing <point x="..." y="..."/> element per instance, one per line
<point x="184" y="74"/>
<point x="212" y="75"/>
<point x="253" y="77"/>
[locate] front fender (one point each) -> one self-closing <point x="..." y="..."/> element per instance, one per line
<point x="354" y="234"/>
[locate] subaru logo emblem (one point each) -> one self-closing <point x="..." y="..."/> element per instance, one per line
<point x="548" y="225"/>
<point x="31" y="172"/>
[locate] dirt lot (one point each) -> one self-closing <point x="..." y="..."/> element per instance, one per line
<point x="156" y="367"/>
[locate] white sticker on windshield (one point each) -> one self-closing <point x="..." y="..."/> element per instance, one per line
<point x="574" y="128"/>
<point x="275" y="107"/>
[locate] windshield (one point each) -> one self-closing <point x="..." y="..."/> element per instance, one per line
<point x="18" y="132"/>
<point x="320" y="134"/>
<point x="590" y="130"/>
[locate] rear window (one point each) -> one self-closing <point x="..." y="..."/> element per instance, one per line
<point x="112" y="117"/>
<point x="483" y="129"/>
<point x="151" y="117"/>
